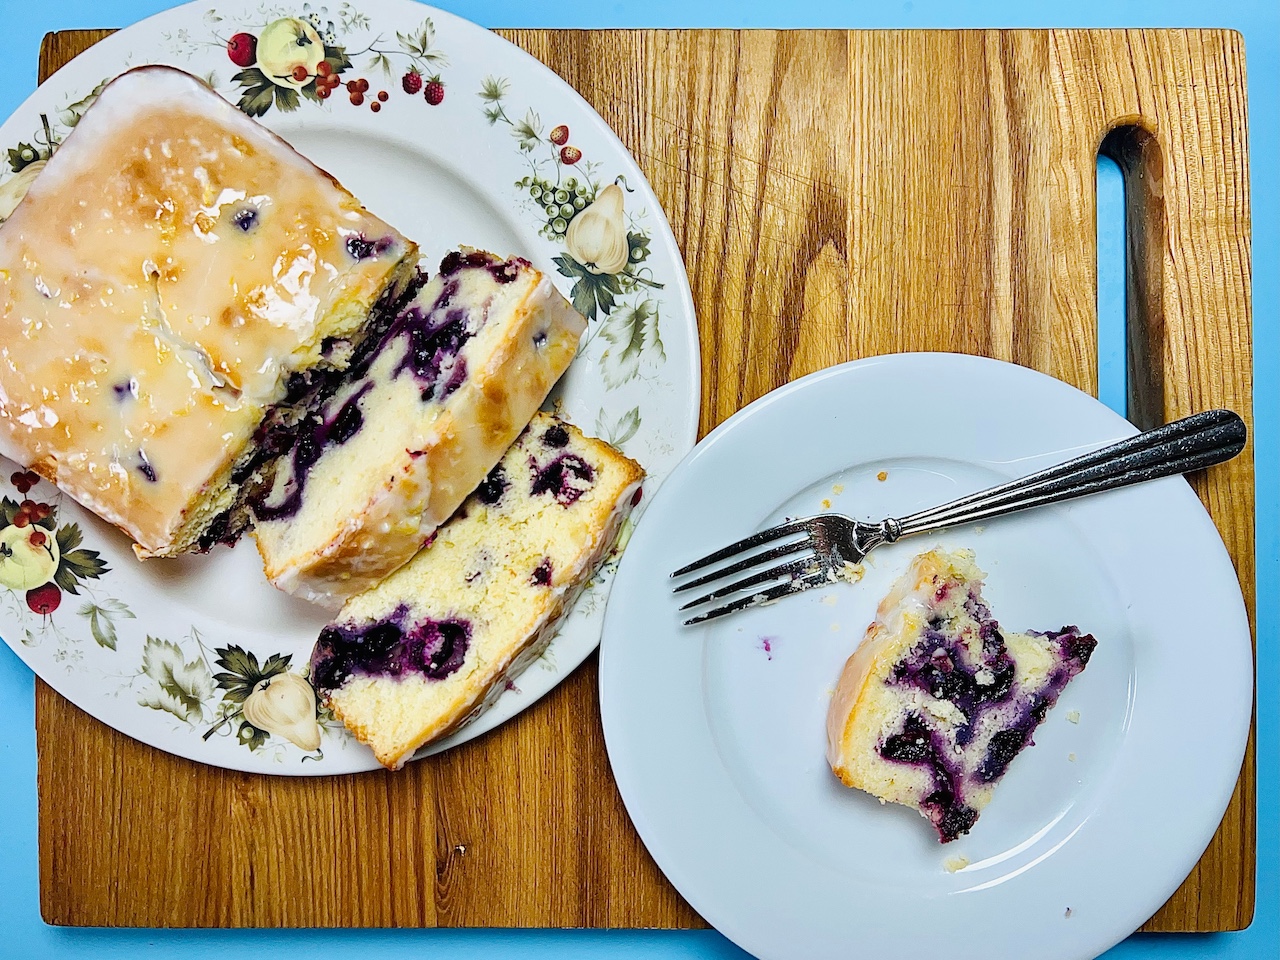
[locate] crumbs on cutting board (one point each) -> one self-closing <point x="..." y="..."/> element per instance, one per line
<point x="955" y="864"/>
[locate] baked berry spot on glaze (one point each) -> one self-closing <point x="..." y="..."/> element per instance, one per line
<point x="938" y="701"/>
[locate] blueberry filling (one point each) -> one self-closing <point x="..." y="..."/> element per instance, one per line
<point x="309" y="441"/>
<point x="916" y="745"/>
<point x="556" y="437"/>
<point x="502" y="271"/>
<point x="293" y="424"/>
<point x="493" y="486"/>
<point x="392" y="647"/>
<point x="126" y="388"/>
<point x="542" y="573"/>
<point x="943" y="666"/>
<point x="566" y="478"/>
<point x="435" y="339"/>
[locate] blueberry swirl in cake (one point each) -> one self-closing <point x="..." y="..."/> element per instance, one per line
<point x="937" y="701"/>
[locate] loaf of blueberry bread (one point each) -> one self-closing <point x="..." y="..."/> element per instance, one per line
<point x="937" y="700"/>
<point x="414" y="427"/>
<point x="416" y="656"/>
<point x="171" y="269"/>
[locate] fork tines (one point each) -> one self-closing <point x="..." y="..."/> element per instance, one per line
<point x="795" y="575"/>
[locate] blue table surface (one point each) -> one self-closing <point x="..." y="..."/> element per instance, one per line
<point x="26" y="935"/>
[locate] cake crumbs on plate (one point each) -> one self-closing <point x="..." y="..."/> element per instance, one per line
<point x="882" y="476"/>
<point x="1071" y="757"/>
<point x="826" y="503"/>
<point x="955" y="864"/>
<point x="837" y="488"/>
<point x="1067" y="913"/>
<point x="979" y="530"/>
<point x="851" y="572"/>
<point x="1073" y="716"/>
<point x="829" y="599"/>
<point x="835" y="627"/>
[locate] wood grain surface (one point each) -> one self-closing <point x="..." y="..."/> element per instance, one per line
<point x="835" y="195"/>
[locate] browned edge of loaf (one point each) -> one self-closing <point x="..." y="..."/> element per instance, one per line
<point x="835" y="195"/>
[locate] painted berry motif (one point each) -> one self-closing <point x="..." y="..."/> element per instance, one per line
<point x="243" y="49"/>
<point x="44" y="600"/>
<point x="296" y="57"/>
<point x="570" y="155"/>
<point x="559" y="135"/>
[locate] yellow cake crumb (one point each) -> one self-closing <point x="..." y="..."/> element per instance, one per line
<point x="955" y="864"/>
<point x="826" y="503"/>
<point x="837" y="488"/>
<point x="882" y="476"/>
<point x="1073" y="716"/>
<point x="829" y="599"/>
<point x="1071" y="757"/>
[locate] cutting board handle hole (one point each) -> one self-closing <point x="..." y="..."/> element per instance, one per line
<point x="1131" y="325"/>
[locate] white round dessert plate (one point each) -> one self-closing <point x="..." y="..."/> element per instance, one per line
<point x="716" y="732"/>
<point x="472" y="142"/>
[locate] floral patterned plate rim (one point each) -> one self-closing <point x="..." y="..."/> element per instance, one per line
<point x="456" y="137"/>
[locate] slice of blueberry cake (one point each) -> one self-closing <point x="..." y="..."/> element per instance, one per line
<point x="428" y="648"/>
<point x="415" y="426"/>
<point x="937" y="700"/>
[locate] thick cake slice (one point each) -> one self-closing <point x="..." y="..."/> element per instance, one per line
<point x="937" y="700"/>
<point x="169" y="270"/>
<point x="425" y="650"/>
<point x="415" y="428"/>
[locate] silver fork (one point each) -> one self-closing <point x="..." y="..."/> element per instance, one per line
<point x="826" y="543"/>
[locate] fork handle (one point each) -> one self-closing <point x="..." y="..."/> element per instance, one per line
<point x="1192" y="443"/>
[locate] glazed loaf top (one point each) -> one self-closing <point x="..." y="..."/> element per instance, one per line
<point x="168" y="269"/>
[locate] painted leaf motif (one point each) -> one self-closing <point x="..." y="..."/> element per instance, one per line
<point x="23" y="155"/>
<point x="251" y="736"/>
<point x="72" y="114"/>
<point x="69" y="537"/>
<point x="528" y="131"/>
<point x="620" y="432"/>
<point x="102" y="620"/>
<point x="633" y="334"/>
<point x="242" y="672"/>
<point x="593" y="293"/>
<point x="8" y="510"/>
<point x="258" y="94"/>
<point x="181" y="687"/>
<point x="80" y="565"/>
<point x="287" y="99"/>
<point x="493" y="89"/>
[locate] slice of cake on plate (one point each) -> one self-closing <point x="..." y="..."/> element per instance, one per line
<point x="414" y="427"/>
<point x="412" y="659"/>
<point x="937" y="700"/>
<point x="168" y="272"/>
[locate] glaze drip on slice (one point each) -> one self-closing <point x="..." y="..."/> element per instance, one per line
<point x="934" y="707"/>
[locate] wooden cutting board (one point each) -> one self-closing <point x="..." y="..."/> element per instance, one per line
<point x="835" y="195"/>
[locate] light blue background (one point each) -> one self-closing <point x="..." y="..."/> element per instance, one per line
<point x="23" y="934"/>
